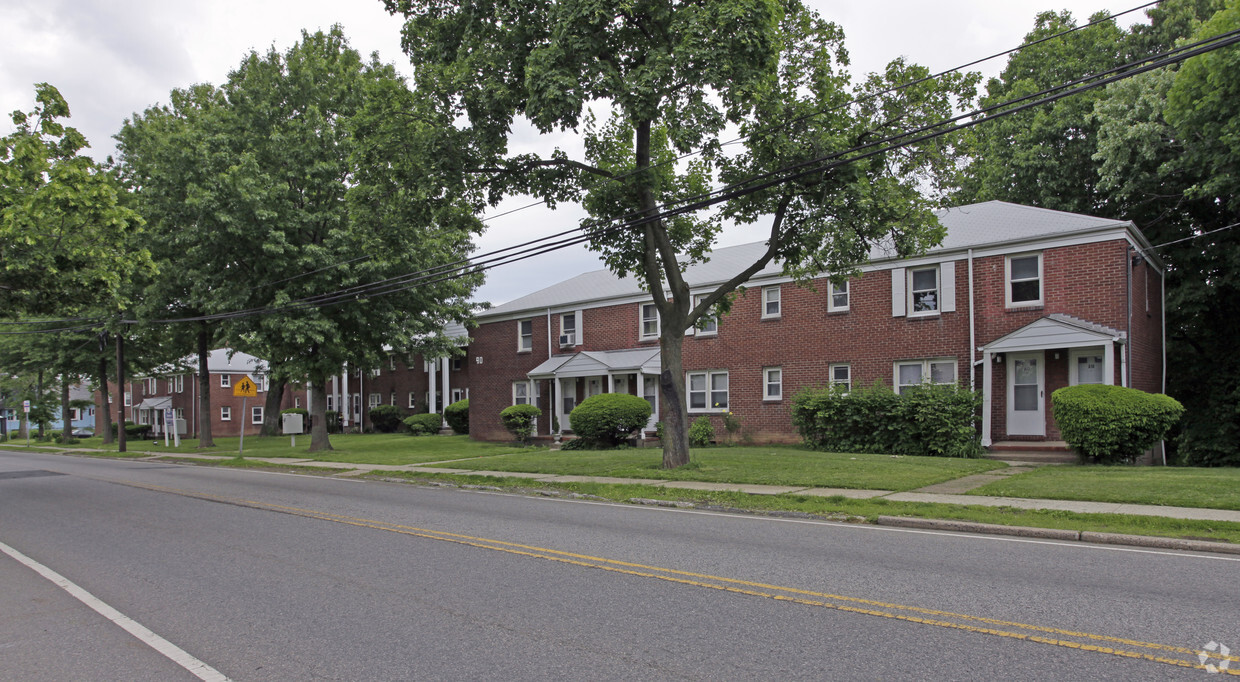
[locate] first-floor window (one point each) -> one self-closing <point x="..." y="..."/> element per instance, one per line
<point x="459" y="394"/>
<point x="708" y="391"/>
<point x="521" y="393"/>
<point x="413" y="400"/>
<point x="392" y="399"/>
<point x="331" y="403"/>
<point x="773" y="382"/>
<point x="841" y="375"/>
<point x="916" y="372"/>
<point x="225" y="414"/>
<point x="297" y="402"/>
<point x="256" y="415"/>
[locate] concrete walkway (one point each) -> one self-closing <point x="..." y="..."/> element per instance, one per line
<point x="948" y="492"/>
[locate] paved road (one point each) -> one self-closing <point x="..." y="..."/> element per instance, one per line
<point x="267" y="576"/>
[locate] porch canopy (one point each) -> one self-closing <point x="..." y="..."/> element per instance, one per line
<point x="563" y="371"/>
<point x="1055" y="331"/>
<point x="156" y="404"/>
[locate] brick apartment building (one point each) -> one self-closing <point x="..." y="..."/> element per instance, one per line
<point x="1017" y="302"/>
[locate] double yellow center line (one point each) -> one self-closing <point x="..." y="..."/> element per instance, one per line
<point x="1083" y="641"/>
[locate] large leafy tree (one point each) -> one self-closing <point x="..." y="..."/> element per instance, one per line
<point x="668" y="77"/>
<point x="308" y="172"/>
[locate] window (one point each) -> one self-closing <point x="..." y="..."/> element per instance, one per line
<point x="331" y="402"/>
<point x="178" y="383"/>
<point x="225" y="380"/>
<point x="413" y="400"/>
<point x="179" y="413"/>
<point x="376" y="372"/>
<point x="916" y="372"/>
<point x="392" y="400"/>
<point x="525" y="336"/>
<point x="770" y="301"/>
<point x="1086" y="367"/>
<point x="707" y="325"/>
<point x="297" y="403"/>
<point x="256" y="415"/>
<point x="568" y="329"/>
<point x="650" y="321"/>
<point x="392" y="362"/>
<point x="459" y="394"/>
<point x="773" y="382"/>
<point x="75" y="414"/>
<point x="1024" y="279"/>
<point x="457" y="363"/>
<point x="837" y="302"/>
<point x="521" y="393"/>
<point x="374" y="400"/>
<point x="260" y="383"/>
<point x="152" y="386"/>
<point x="128" y="399"/>
<point x="924" y="292"/>
<point x="708" y="391"/>
<point x="225" y="414"/>
<point x="841" y="375"/>
<point x="357" y="404"/>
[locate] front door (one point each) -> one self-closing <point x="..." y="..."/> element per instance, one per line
<point x="1026" y="384"/>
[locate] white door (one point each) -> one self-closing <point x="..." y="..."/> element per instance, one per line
<point x="1026" y="384"/>
<point x="568" y="401"/>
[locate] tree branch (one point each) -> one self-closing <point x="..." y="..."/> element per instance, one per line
<point x="544" y="163"/>
<point x="772" y="247"/>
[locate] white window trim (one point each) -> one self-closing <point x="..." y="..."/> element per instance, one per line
<point x="710" y="408"/>
<point x="567" y="343"/>
<point x="178" y="383"/>
<point x="846" y="383"/>
<point x="1074" y="354"/>
<point x="374" y="400"/>
<point x="779" y="302"/>
<point x="521" y="337"/>
<point x="705" y="319"/>
<point x="767" y="383"/>
<point x="128" y="399"/>
<point x="413" y="400"/>
<point x="225" y="413"/>
<point x="225" y="381"/>
<point x="1007" y="281"/>
<point x="831" y="306"/>
<point x="641" y="322"/>
<point x="925" y="370"/>
<point x="256" y="414"/>
<point x="938" y="292"/>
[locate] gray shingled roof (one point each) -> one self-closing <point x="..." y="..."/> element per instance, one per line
<point x="970" y="226"/>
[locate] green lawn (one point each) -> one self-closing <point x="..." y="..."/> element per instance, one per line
<point x="373" y="448"/>
<point x="772" y="465"/>
<point x="1172" y="486"/>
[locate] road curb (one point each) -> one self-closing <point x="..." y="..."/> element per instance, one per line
<point x="1060" y="534"/>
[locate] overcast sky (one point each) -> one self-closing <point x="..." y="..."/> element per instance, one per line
<point x="111" y="58"/>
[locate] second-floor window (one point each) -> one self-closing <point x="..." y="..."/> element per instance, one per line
<point x="924" y="291"/>
<point x="178" y="383"/>
<point x="1024" y="279"/>
<point x="225" y="380"/>
<point x="708" y="324"/>
<point x="568" y="329"/>
<point x="770" y="301"/>
<point x="837" y="302"/>
<point x="650" y="321"/>
<point x="525" y="335"/>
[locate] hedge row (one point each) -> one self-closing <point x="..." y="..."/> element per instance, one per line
<point x="933" y="420"/>
<point x="1109" y="424"/>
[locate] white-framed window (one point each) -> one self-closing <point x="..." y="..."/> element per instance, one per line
<point x="178" y="383"/>
<point x="392" y="362"/>
<point x="459" y="394"/>
<point x="331" y="402"/>
<point x="297" y="403"/>
<point x="457" y="364"/>
<point x="413" y="400"/>
<point x="261" y="383"/>
<point x="916" y="372"/>
<point x="525" y="336"/>
<point x="392" y="399"/>
<point x="75" y="414"/>
<point x="225" y="381"/>
<point x="1086" y="366"/>
<point x="923" y="291"/>
<point x="568" y="329"/>
<point x="708" y="391"/>
<point x="841" y="375"/>
<point x="225" y="414"/>
<point x="374" y="400"/>
<point x="256" y="415"/>
<point x="376" y="372"/>
<point x="357" y="404"/>
<point x="649" y="321"/>
<point x="708" y="324"/>
<point x="521" y="393"/>
<point x="837" y="300"/>
<point x="1024" y="279"/>
<point x="178" y="413"/>
<point x="128" y="399"/>
<point x="770" y="302"/>
<point x="772" y="383"/>
<point x="152" y="386"/>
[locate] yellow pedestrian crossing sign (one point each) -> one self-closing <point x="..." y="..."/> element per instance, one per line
<point x="245" y="389"/>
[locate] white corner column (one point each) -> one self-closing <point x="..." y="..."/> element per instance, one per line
<point x="344" y="398"/>
<point x="447" y="395"/>
<point x="432" y="368"/>
<point x="987" y="401"/>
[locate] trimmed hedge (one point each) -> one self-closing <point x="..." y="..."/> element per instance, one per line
<point x="133" y="430"/>
<point x="386" y="418"/>
<point x="1109" y="424"/>
<point x="519" y="420"/>
<point x="457" y="416"/>
<point x="423" y="424"/>
<point x="930" y="420"/>
<point x="608" y="419"/>
<point x="701" y="432"/>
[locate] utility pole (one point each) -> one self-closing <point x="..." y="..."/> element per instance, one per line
<point x="120" y="389"/>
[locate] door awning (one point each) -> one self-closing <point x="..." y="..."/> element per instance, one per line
<point x="155" y="403"/>
<point x="1055" y="331"/>
<point x="599" y="362"/>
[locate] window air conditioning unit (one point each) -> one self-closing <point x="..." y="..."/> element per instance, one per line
<point x="567" y="339"/>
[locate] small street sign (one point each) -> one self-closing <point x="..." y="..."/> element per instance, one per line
<point x="26" y="406"/>
<point x="245" y="389"/>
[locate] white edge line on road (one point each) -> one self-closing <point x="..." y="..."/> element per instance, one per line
<point x="178" y="655"/>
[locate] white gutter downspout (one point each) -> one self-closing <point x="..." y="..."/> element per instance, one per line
<point x="551" y="385"/>
<point x="1163" y="342"/>
<point x="972" y="331"/>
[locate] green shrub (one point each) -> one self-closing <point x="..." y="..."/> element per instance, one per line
<point x="457" y="416"/>
<point x="423" y="424"/>
<point x="608" y="419"/>
<point x="934" y="420"/>
<point x="132" y="430"/>
<point x="332" y="417"/>
<point x="1108" y="424"/>
<point x="296" y="410"/>
<point x="519" y="420"/>
<point x="658" y="430"/>
<point x="386" y="418"/>
<point x="575" y="444"/>
<point x="701" y="432"/>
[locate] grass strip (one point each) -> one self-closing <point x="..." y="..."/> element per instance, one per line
<point x="1217" y="488"/>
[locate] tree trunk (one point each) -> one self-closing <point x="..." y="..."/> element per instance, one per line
<point x="204" y="391"/>
<point x="66" y="417"/>
<point x="672" y="408"/>
<point x="271" y="408"/>
<point x="38" y="392"/>
<point x="103" y="414"/>
<point x="318" y="415"/>
<point x="120" y="390"/>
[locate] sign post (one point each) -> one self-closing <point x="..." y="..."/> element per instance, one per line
<point x="26" y="413"/>
<point x="244" y="389"/>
